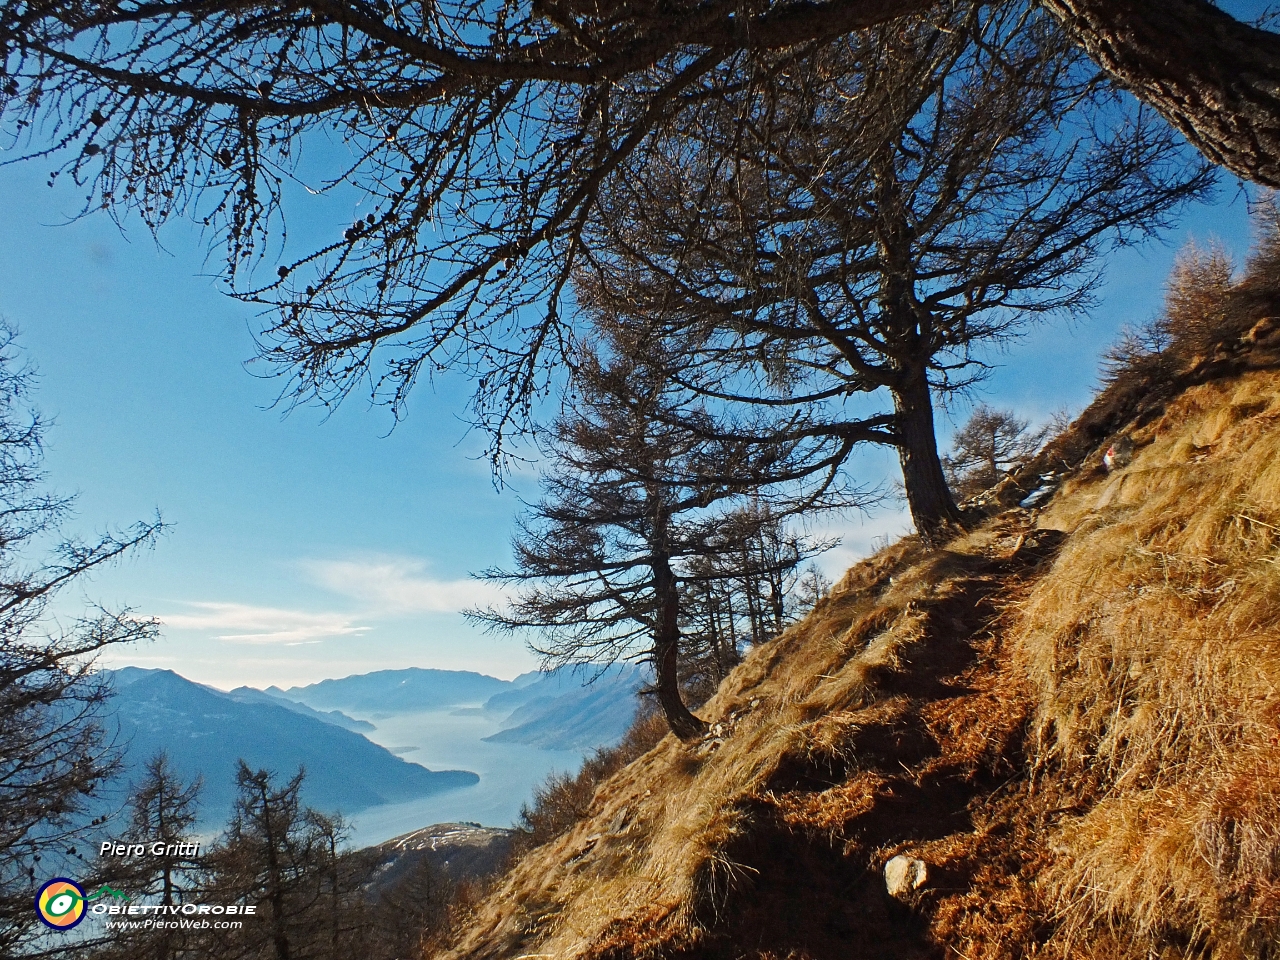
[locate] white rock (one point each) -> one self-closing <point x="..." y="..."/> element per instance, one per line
<point x="903" y="875"/>
<point x="620" y="821"/>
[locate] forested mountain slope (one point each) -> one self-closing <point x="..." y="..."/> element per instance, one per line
<point x="1067" y="716"/>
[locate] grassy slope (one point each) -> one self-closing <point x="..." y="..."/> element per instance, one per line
<point x="1070" y="715"/>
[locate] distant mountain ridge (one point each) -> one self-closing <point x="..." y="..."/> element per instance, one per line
<point x="335" y="717"/>
<point x="205" y="731"/>
<point x="399" y="691"/>
<point x="564" y="709"/>
<point x="570" y="709"/>
<point x="541" y="687"/>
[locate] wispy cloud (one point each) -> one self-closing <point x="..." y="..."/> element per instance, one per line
<point x="242" y="623"/>
<point x="398" y="585"/>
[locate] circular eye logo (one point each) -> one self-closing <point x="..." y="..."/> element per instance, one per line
<point x="60" y="903"/>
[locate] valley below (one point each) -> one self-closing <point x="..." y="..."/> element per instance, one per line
<point x="452" y="739"/>
<point x="391" y="751"/>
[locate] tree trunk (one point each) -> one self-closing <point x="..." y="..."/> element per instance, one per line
<point x="1217" y="80"/>
<point x="275" y="877"/>
<point x="932" y="508"/>
<point x="666" y="654"/>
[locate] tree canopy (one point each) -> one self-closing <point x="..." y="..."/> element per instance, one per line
<point x="482" y="133"/>
<point x="881" y="213"/>
<point x="989" y="445"/>
<point x="647" y="498"/>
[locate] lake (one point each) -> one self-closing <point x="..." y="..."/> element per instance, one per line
<point x="451" y="739"/>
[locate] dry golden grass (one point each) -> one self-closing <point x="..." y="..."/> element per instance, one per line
<point x="830" y="745"/>
<point x="1154" y="647"/>
<point x="1071" y="717"/>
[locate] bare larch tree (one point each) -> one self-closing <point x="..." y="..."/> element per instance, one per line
<point x="989" y="445"/>
<point x="163" y="809"/>
<point x="879" y="214"/>
<point x="56" y="749"/>
<point x="642" y="502"/>
<point x="742" y="597"/>
<point x="479" y="134"/>
<point x="292" y="863"/>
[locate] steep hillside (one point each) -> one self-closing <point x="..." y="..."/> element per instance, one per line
<point x="460" y="851"/>
<point x="1065" y="722"/>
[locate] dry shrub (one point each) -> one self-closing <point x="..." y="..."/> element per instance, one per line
<point x="1154" y="645"/>
<point x="1212" y="326"/>
<point x="1202" y="310"/>
<point x="1198" y="306"/>
<point x="1263" y="267"/>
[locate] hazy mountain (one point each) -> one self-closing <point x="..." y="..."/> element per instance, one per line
<point x="562" y="710"/>
<point x="206" y="731"/>
<point x="336" y="717"/>
<point x="542" y="687"/>
<point x="399" y="691"/>
<point x="539" y="686"/>
<point x="567" y="709"/>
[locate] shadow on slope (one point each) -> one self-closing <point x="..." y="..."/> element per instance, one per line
<point x="887" y="721"/>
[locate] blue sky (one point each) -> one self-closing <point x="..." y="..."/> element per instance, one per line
<point x="305" y="548"/>
<point x="300" y="548"/>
